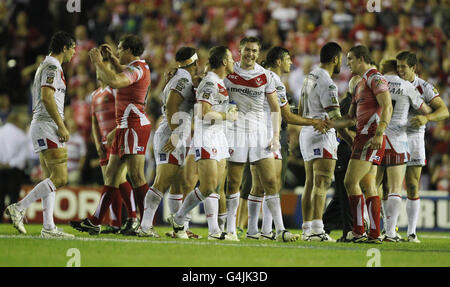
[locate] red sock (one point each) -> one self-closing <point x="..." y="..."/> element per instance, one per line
<point x="116" y="205"/>
<point x="105" y="202"/>
<point x="139" y="193"/>
<point x="125" y="193"/>
<point x="374" y="208"/>
<point x="357" y="207"/>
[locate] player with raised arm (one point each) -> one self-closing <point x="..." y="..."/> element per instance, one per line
<point x="210" y="142"/>
<point x="406" y="67"/>
<point x="131" y="78"/>
<point x="171" y="136"/>
<point x="404" y="95"/>
<point x="48" y="134"/>
<point x="249" y="86"/>
<point x="371" y="111"/>
<point x="278" y="62"/>
<point x="319" y="100"/>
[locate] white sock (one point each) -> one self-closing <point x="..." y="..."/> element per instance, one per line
<point x="317" y="226"/>
<point x="232" y="207"/>
<point x="412" y="212"/>
<point x="211" y="204"/>
<point x="254" y="206"/>
<point x="174" y="201"/>
<point x="306" y="227"/>
<point x="222" y="219"/>
<point x="192" y="200"/>
<point x="366" y="216"/>
<point x="267" y="219"/>
<point x="274" y="205"/>
<point x="41" y="190"/>
<point x="112" y="215"/>
<point x="393" y="204"/>
<point x="48" y="203"/>
<point x="151" y="202"/>
<point x="187" y="219"/>
<point x="383" y="212"/>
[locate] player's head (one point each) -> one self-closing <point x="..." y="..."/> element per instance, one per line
<point x="358" y="59"/>
<point x="249" y="48"/>
<point x="187" y="58"/>
<point x="63" y="43"/>
<point x="388" y="66"/>
<point x="220" y="56"/>
<point x="130" y="46"/>
<point x="406" y="65"/>
<point x="278" y="57"/>
<point x="331" y="53"/>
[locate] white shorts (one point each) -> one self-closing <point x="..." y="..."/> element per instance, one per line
<point x="316" y="145"/>
<point x="211" y="145"/>
<point x="416" y="153"/>
<point x="250" y="147"/>
<point x="277" y="154"/>
<point x="44" y="136"/>
<point x="176" y="157"/>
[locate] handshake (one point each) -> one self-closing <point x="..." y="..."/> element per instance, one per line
<point x="322" y="126"/>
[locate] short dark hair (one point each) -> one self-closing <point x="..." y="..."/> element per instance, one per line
<point x="250" y="39"/>
<point x="274" y="54"/>
<point x="329" y="51"/>
<point x="361" y="51"/>
<point x="410" y="58"/>
<point x="60" y="40"/>
<point x="389" y="65"/>
<point x="184" y="53"/>
<point x="216" y="56"/>
<point x="134" y="43"/>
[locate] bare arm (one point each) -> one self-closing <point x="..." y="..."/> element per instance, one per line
<point x="97" y="137"/>
<point x="384" y="100"/>
<point x="440" y="112"/>
<point x="173" y="102"/>
<point x="111" y="78"/>
<point x="50" y="105"/>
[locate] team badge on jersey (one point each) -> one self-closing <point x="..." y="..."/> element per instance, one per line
<point x="316" y="151"/>
<point x="49" y="80"/>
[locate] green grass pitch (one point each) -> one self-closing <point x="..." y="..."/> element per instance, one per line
<point x="17" y="250"/>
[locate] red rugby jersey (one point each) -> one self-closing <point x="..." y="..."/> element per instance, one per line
<point x="103" y="109"/>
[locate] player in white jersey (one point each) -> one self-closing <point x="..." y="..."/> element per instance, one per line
<point x="249" y="86"/>
<point x="406" y="67"/>
<point x="48" y="133"/>
<point x="171" y="136"/>
<point x="278" y="61"/>
<point x="404" y="95"/>
<point x="319" y="100"/>
<point x="210" y="143"/>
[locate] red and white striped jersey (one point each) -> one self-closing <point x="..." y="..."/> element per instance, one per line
<point x="368" y="111"/>
<point x="130" y="101"/>
<point x="103" y="109"/>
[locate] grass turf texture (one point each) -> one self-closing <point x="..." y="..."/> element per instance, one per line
<point x="17" y="250"/>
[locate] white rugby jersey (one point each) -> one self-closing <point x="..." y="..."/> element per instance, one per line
<point x="182" y="83"/>
<point x="427" y="93"/>
<point x="212" y="91"/>
<point x="319" y="93"/>
<point x="281" y="96"/>
<point x="49" y="74"/>
<point x="248" y="88"/>
<point x="404" y="95"/>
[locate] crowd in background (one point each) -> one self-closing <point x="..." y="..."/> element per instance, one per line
<point x="302" y="26"/>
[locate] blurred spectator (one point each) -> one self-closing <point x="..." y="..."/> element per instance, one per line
<point x="296" y="78"/>
<point x="76" y="149"/>
<point x="5" y="108"/>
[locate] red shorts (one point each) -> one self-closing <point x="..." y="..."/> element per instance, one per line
<point x="362" y="151"/>
<point x="131" y="140"/>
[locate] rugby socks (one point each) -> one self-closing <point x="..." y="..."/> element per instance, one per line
<point x="412" y="212"/>
<point x="48" y="203"/>
<point x="116" y="208"/>
<point x="357" y="208"/>
<point x="105" y="202"/>
<point x="151" y="203"/>
<point x="254" y="206"/>
<point x="211" y="204"/>
<point x="174" y="202"/>
<point x="192" y="200"/>
<point x="187" y="219"/>
<point x="317" y="226"/>
<point x="392" y="209"/>
<point x="274" y="205"/>
<point x="267" y="219"/>
<point x="306" y="227"/>
<point x="222" y="219"/>
<point x="373" y="207"/>
<point x="232" y="207"/>
<point x="140" y="193"/>
<point x="41" y="190"/>
<point x="126" y="192"/>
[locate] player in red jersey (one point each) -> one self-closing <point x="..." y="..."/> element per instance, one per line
<point x="131" y="78"/>
<point x="371" y="111"/>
